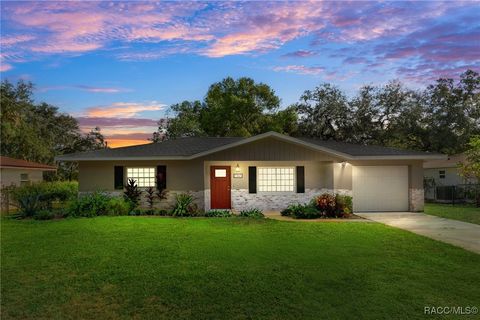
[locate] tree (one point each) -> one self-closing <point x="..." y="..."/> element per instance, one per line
<point x="470" y="169"/>
<point x="324" y="113"/>
<point x="39" y="132"/>
<point x="452" y="113"/>
<point x="187" y="120"/>
<point x="231" y="108"/>
<point x="237" y="107"/>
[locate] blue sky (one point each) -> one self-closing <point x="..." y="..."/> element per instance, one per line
<point x="119" y="65"/>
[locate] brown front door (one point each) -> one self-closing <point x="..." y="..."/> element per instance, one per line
<point x="220" y="187"/>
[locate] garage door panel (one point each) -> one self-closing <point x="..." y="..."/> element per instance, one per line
<point x="380" y="188"/>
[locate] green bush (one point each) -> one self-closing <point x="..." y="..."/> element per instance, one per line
<point x="117" y="207"/>
<point x="60" y="191"/>
<point x="343" y="205"/>
<point x="44" y="215"/>
<point x="184" y="206"/>
<point x="40" y="196"/>
<point x="302" y="211"/>
<point x="163" y="212"/>
<point x="251" y="213"/>
<point x="218" y="213"/>
<point x="89" y="205"/>
<point x="98" y="204"/>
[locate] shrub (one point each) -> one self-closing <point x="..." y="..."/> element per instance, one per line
<point x="39" y="196"/>
<point x="218" y="213"/>
<point x="60" y="191"/>
<point x="343" y="205"/>
<point x="117" y="207"/>
<point x="90" y="205"/>
<point x="44" y="215"/>
<point x="150" y="196"/>
<point x="302" y="211"/>
<point x="184" y="206"/>
<point x="326" y="204"/>
<point x="251" y="213"/>
<point x="163" y="212"/>
<point x="132" y="193"/>
<point x="29" y="200"/>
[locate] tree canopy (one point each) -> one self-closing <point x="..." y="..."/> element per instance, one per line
<point x="39" y="132"/>
<point x="231" y="107"/>
<point x="440" y="118"/>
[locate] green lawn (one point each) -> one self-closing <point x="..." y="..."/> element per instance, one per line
<point x="165" y="268"/>
<point x="467" y="213"/>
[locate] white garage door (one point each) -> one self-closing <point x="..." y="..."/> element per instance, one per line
<point x="380" y="188"/>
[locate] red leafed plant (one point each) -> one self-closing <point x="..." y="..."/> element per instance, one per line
<point x="326" y="204"/>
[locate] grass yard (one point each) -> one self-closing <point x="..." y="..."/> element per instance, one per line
<point x="231" y="268"/>
<point x="462" y="212"/>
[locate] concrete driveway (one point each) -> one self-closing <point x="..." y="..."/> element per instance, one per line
<point x="458" y="233"/>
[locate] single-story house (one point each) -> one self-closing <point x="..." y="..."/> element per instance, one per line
<point x="445" y="172"/>
<point x="266" y="171"/>
<point x="20" y="172"/>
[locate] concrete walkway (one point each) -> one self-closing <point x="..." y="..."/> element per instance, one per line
<point x="458" y="233"/>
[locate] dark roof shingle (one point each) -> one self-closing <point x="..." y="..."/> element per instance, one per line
<point x="191" y="146"/>
<point x="170" y="148"/>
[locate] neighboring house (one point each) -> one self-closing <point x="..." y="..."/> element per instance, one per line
<point x="444" y="172"/>
<point x="267" y="171"/>
<point x="20" y="172"/>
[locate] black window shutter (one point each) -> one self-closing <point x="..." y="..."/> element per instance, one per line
<point x="161" y="177"/>
<point x="300" y="179"/>
<point x="252" y="179"/>
<point x="118" y="184"/>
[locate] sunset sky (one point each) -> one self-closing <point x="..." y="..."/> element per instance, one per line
<point x="119" y="65"/>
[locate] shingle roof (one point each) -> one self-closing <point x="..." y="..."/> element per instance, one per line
<point x="7" y="162"/>
<point x="181" y="147"/>
<point x="190" y="147"/>
<point x="363" y="150"/>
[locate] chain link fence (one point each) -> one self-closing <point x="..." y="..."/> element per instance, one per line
<point x="461" y="193"/>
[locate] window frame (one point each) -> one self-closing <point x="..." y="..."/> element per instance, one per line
<point x="294" y="180"/>
<point x="442" y="174"/>
<point x="154" y="177"/>
<point x="23" y="181"/>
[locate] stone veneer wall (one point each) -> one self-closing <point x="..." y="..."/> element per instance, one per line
<point x="241" y="199"/>
<point x="416" y="199"/>
<point x="167" y="203"/>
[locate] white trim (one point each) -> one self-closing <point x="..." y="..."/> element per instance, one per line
<point x="312" y="146"/>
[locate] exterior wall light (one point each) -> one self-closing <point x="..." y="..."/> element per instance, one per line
<point x="237" y="169"/>
<point x="344" y="163"/>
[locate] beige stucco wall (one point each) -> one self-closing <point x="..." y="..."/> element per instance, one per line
<point x="9" y="176"/>
<point x="181" y="175"/>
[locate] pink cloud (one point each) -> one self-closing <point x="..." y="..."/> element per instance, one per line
<point x="123" y="109"/>
<point x="85" y="88"/>
<point x="5" y="67"/>
<point x="115" y="122"/>
<point x="101" y="89"/>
